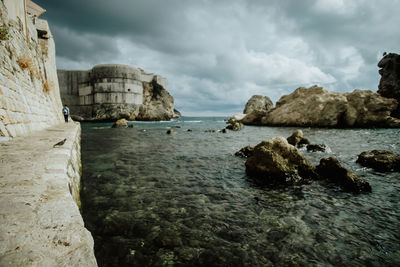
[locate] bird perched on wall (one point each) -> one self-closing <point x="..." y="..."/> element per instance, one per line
<point x="60" y="143"/>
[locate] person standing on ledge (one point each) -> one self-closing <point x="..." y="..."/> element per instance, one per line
<point x="66" y="113"/>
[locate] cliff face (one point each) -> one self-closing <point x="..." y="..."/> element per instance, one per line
<point x="111" y="92"/>
<point x="29" y="92"/>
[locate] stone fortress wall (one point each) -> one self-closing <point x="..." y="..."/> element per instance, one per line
<point x="104" y="84"/>
<point x="29" y="93"/>
<point x="40" y="222"/>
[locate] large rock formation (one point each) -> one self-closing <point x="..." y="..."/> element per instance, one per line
<point x="317" y="107"/>
<point x="276" y="161"/>
<point x="110" y="92"/>
<point x="389" y="85"/>
<point x="258" y="103"/>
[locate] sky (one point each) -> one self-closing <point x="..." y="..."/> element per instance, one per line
<point x="217" y="54"/>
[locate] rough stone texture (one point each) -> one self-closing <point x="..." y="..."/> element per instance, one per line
<point x="245" y="152"/>
<point x="367" y="109"/>
<point x="317" y="107"/>
<point x="330" y="169"/>
<point x="254" y="118"/>
<point x="40" y="222"/>
<point x="389" y="85"/>
<point x="109" y="92"/>
<point x="235" y="126"/>
<point x="29" y="93"/>
<point x="276" y="161"/>
<point x="259" y="103"/>
<point x="120" y="123"/>
<point x="297" y="139"/>
<point x="380" y="160"/>
<point x="236" y="117"/>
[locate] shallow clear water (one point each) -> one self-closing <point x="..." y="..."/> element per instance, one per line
<point x="152" y="199"/>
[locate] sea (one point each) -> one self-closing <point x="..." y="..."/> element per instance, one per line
<point x="154" y="199"/>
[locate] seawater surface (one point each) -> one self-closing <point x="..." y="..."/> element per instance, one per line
<point x="152" y="199"/>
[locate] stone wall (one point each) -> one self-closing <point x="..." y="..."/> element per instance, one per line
<point x="29" y="92"/>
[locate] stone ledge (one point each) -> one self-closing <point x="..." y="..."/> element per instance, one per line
<point x="40" y="222"/>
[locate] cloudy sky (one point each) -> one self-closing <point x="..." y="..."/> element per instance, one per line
<point x="217" y="54"/>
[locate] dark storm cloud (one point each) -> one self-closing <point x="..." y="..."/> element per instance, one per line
<point x="216" y="54"/>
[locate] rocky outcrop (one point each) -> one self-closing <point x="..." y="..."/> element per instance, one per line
<point x="158" y="104"/>
<point x="120" y="123"/>
<point x="331" y="170"/>
<point x="245" y="152"/>
<point x="235" y="126"/>
<point x="177" y="113"/>
<point x="258" y="103"/>
<point x="112" y="91"/>
<point x="297" y="139"/>
<point x="275" y="161"/>
<point x="389" y="85"/>
<point x="380" y="160"/>
<point x="317" y="107"/>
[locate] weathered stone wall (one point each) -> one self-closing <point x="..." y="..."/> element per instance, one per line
<point x="29" y="92"/>
<point x="40" y="222"/>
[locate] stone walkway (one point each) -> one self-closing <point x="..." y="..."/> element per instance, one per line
<point x="40" y="222"/>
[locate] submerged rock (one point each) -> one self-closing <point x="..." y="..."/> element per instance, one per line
<point x="331" y="170"/>
<point x="245" y="152"/>
<point x="258" y="103"/>
<point x="276" y="161"/>
<point x="380" y="160"/>
<point x="316" y="147"/>
<point x="120" y="123"/>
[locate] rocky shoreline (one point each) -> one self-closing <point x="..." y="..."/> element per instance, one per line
<point x="317" y="107"/>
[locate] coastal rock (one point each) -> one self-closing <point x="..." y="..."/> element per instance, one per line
<point x="317" y="107"/>
<point x="235" y="126"/>
<point x="380" y="160"/>
<point x="297" y="139"/>
<point x="245" y="152"/>
<point x="170" y="131"/>
<point x="177" y="114"/>
<point x="258" y="103"/>
<point x="276" y="161"/>
<point x="331" y="170"/>
<point x="316" y="147"/>
<point x="236" y="118"/>
<point x="158" y="104"/>
<point x="312" y="106"/>
<point x="389" y="85"/>
<point x="367" y="109"/>
<point x="254" y="118"/>
<point x="120" y="123"/>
